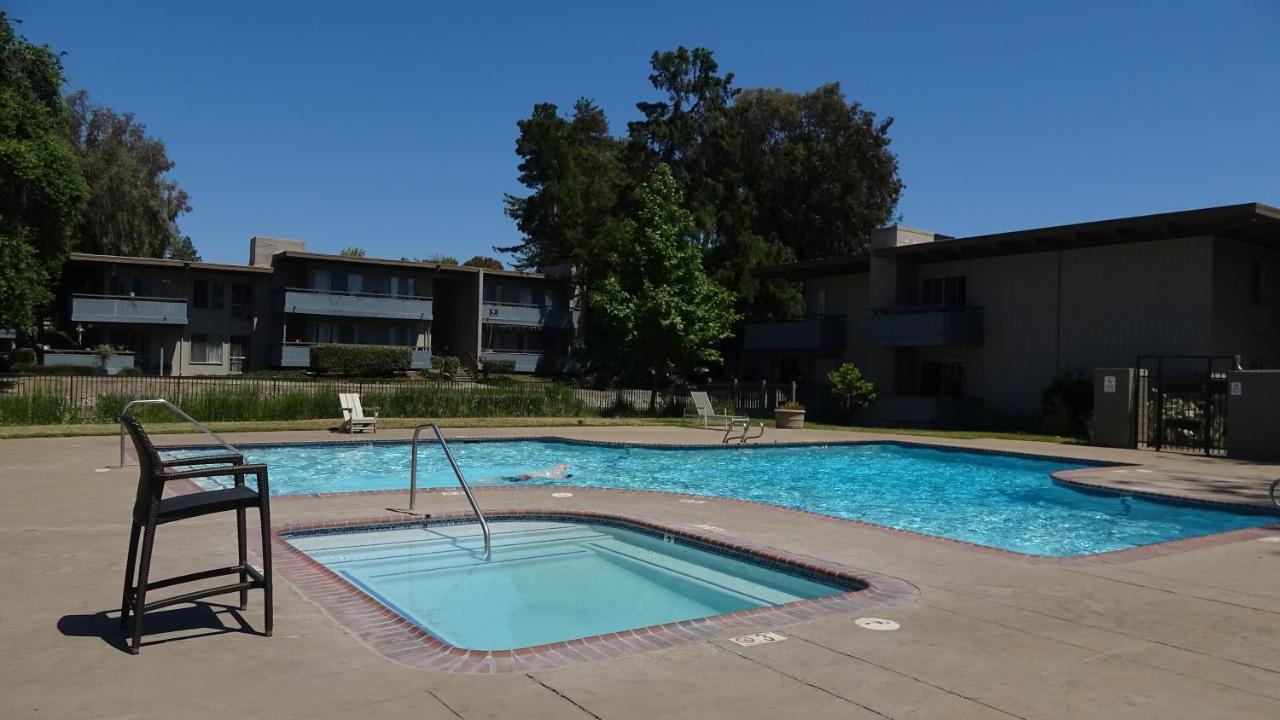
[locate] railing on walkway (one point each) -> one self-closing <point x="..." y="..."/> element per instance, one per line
<point x="462" y="481"/>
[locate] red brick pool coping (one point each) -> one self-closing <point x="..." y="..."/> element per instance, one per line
<point x="403" y="641"/>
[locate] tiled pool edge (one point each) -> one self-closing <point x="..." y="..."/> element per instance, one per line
<point x="402" y="641"/>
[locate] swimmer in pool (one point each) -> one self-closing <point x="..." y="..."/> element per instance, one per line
<point x="556" y="473"/>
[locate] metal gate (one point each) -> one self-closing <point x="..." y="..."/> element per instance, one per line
<point x="1181" y="402"/>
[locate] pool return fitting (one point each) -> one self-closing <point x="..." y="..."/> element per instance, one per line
<point x="466" y="489"/>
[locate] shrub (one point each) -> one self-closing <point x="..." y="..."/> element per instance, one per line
<point x="792" y="405"/>
<point x="37" y="408"/>
<point x="360" y="360"/>
<point x="129" y="371"/>
<point x="1066" y="405"/>
<point x="851" y="390"/>
<point x="448" y="365"/>
<point x="23" y="359"/>
<point x="56" y="339"/>
<point x="493" y="368"/>
<point x="61" y="370"/>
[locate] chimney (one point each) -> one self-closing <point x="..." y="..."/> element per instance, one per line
<point x="897" y="236"/>
<point x="262" y="249"/>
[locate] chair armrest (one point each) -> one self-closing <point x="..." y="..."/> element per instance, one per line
<point x="259" y="470"/>
<point x="224" y="458"/>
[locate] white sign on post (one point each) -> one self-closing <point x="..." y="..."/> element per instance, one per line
<point x="1237" y="388"/>
<point x="1108" y="383"/>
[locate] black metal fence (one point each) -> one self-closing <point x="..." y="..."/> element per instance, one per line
<point x="37" y="400"/>
<point x="1181" y="403"/>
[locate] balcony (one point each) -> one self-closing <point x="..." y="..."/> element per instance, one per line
<point x="85" y="358"/>
<point x="924" y="326"/>
<point x="823" y="333"/>
<point x="527" y="362"/>
<point x="540" y="316"/>
<point x="345" y="304"/>
<point x="130" y="310"/>
<point x="298" y="355"/>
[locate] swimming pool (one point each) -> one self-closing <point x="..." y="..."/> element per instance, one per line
<point x="548" y="581"/>
<point x="1002" y="501"/>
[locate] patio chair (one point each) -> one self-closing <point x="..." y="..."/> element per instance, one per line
<point x="353" y="417"/>
<point x="151" y="510"/>
<point x="703" y="409"/>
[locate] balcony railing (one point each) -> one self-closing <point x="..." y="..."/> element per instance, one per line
<point x="821" y="333"/>
<point x="925" y="326"/>
<point x="528" y="315"/>
<point x="346" y="304"/>
<point x="298" y="355"/>
<point x="528" y="361"/>
<point x="128" y="309"/>
<point x="85" y="358"/>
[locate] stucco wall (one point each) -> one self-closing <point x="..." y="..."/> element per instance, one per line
<point x="1239" y="326"/>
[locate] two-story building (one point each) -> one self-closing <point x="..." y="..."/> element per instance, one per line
<point x="188" y="318"/>
<point x="948" y="327"/>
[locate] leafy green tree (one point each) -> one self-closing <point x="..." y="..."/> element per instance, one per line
<point x="850" y="389"/>
<point x="659" y="313"/>
<point x="817" y="168"/>
<point x="133" y="204"/>
<point x="484" y="261"/>
<point x="42" y="194"/>
<point x="573" y="168"/>
<point x="352" y="251"/>
<point x="440" y="259"/>
<point x="183" y="249"/>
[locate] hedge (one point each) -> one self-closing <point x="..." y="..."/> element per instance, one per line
<point x="360" y="360"/>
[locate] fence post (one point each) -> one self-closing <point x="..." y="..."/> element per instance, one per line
<point x="793" y="392"/>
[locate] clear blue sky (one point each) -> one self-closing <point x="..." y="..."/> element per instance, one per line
<point x="392" y="125"/>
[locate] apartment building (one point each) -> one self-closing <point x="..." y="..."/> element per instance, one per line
<point x="948" y="327"/>
<point x="178" y="318"/>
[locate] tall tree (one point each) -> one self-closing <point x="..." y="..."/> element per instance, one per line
<point x="817" y="167"/>
<point x="686" y="129"/>
<point x="42" y="194"/>
<point x="133" y="204"/>
<point x="573" y="167"/>
<point x="352" y="251"/>
<point x="659" y="312"/>
<point x="484" y="261"/>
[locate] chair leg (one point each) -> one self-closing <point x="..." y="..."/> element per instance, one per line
<point x="140" y="594"/>
<point x="129" y="566"/>
<point x="241" y="542"/>
<point x="264" y="520"/>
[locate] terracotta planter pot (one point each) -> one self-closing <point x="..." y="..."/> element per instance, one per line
<point x="788" y="419"/>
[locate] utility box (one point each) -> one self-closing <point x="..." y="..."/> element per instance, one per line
<point x="1253" y="423"/>
<point x="1113" y="407"/>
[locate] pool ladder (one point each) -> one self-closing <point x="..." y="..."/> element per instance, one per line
<point x="462" y="481"/>
<point x="746" y="428"/>
<point x="1275" y="499"/>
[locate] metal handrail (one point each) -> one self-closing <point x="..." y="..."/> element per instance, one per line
<point x="177" y="410"/>
<point x="746" y="427"/>
<point x="466" y="489"/>
<point x="1275" y="486"/>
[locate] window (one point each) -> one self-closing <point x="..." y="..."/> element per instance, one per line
<point x="200" y="294"/>
<point x="345" y="334"/>
<point x="217" y="294"/>
<point x="1255" y="283"/>
<point x="239" y="353"/>
<point x="319" y="279"/>
<point x="345" y="282"/>
<point x="948" y="291"/>
<point x="129" y="285"/>
<point x="206" y="349"/>
<point x="241" y="300"/>
<point x="401" y="335"/>
<point x="402" y="287"/>
<point x="818" y="301"/>
<point x="942" y="378"/>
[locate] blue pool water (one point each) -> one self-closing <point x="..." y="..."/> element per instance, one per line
<point x="1001" y="501"/>
<point x="546" y="581"/>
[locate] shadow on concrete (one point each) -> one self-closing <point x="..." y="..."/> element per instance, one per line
<point x="197" y="620"/>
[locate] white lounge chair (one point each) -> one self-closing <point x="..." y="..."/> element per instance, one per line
<point x="703" y="410"/>
<point x="353" y="417"/>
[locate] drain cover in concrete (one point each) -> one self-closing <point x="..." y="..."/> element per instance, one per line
<point x="1272" y="539"/>
<point x="763" y="638"/>
<point x="691" y="501"/>
<point x="450" y="492"/>
<point x="876" y="624"/>
<point x="562" y="494"/>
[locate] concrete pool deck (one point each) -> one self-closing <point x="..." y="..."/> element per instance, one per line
<point x="1189" y="630"/>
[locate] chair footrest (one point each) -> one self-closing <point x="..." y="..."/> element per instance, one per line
<point x="203" y="593"/>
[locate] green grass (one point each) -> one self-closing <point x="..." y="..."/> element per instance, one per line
<point x="163" y="428"/>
